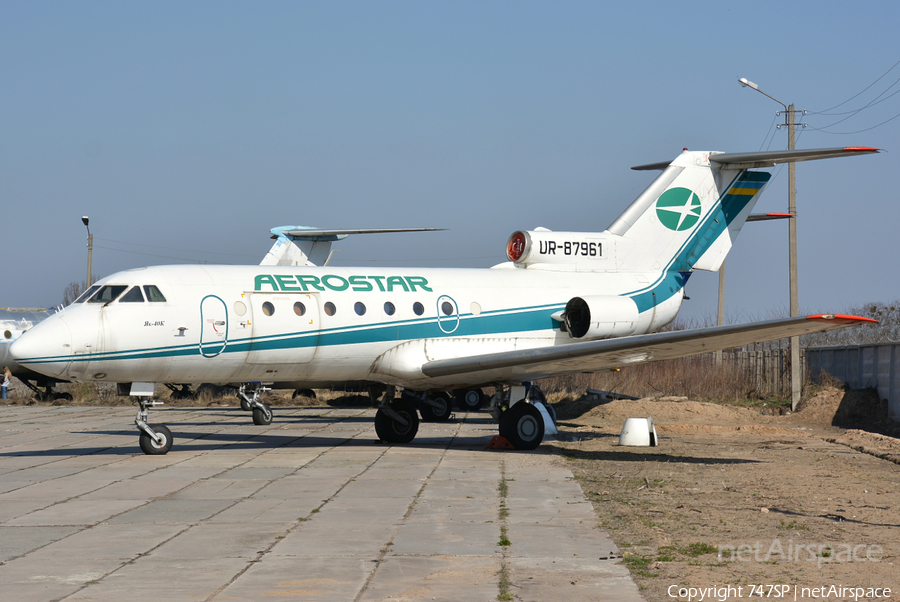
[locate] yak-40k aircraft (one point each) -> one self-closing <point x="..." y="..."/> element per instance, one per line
<point x="564" y="302"/>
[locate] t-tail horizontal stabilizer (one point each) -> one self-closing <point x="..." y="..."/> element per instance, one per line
<point x="688" y="218"/>
<point x="301" y="245"/>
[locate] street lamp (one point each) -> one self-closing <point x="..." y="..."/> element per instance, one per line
<point x="796" y="384"/>
<point x="85" y="220"/>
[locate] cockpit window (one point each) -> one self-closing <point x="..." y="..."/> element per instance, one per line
<point x="132" y="296"/>
<point x="81" y="298"/>
<point x="108" y="293"/>
<point x="153" y="294"/>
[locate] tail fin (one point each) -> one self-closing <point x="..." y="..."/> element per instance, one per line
<point x="689" y="216"/>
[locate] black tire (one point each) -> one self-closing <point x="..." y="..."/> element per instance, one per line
<point x="244" y="405"/>
<point x="441" y="413"/>
<point x="523" y="426"/>
<point x="150" y="447"/>
<point x="303" y="393"/>
<point x="391" y="431"/>
<point x="470" y="400"/>
<point x="262" y="415"/>
<point x="62" y="397"/>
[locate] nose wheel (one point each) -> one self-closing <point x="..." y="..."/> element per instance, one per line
<point x="153" y="446"/>
<point x="155" y="439"/>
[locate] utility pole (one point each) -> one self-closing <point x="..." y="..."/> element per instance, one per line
<point x="796" y="381"/>
<point x="85" y="220"/>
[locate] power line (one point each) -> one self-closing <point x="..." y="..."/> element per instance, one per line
<point x="864" y="89"/>
<point x="857" y="131"/>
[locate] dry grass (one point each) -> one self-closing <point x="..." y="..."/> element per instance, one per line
<point x="697" y="378"/>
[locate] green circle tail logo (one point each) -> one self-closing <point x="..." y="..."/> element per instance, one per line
<point x="678" y="209"/>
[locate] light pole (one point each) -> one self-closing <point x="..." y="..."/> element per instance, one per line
<point x="85" y="220"/>
<point x="796" y="383"/>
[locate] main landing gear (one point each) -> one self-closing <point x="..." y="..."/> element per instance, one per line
<point x="522" y="421"/>
<point x="522" y="413"/>
<point x="396" y="420"/>
<point x="249" y="394"/>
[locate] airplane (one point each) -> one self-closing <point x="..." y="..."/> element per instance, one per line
<point x="13" y="322"/>
<point x="564" y="302"/>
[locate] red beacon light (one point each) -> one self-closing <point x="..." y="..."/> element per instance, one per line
<point x="515" y="246"/>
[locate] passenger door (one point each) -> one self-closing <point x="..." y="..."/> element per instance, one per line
<point x="285" y="328"/>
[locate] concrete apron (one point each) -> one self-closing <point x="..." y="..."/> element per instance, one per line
<point x="308" y="508"/>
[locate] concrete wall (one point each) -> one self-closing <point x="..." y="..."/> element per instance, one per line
<point x="861" y="367"/>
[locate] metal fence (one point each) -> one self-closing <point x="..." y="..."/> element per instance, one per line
<point x="768" y="369"/>
<point x="862" y="367"/>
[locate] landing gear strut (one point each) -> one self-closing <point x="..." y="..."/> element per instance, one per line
<point x="249" y="394"/>
<point x="48" y="394"/>
<point x="155" y="439"/>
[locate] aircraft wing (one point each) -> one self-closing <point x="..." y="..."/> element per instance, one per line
<point x="590" y="356"/>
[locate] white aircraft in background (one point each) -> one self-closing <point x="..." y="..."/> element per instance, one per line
<point x="564" y="302"/>
<point x="14" y="321"/>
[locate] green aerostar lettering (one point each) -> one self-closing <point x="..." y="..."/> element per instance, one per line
<point x="259" y="281"/>
<point x="359" y="284"/>
<point x="415" y="281"/>
<point x="307" y="282"/>
<point x="327" y="281"/>
<point x="313" y="281"/>
<point x="398" y="280"/>
<point x="286" y="283"/>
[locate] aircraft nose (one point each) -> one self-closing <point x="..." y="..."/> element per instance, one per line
<point x="46" y="348"/>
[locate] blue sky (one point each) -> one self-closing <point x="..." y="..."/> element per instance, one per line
<point x="187" y="130"/>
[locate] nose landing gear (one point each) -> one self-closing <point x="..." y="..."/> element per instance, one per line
<point x="155" y="439"/>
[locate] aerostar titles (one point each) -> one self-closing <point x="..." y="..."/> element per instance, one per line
<point x="304" y="283"/>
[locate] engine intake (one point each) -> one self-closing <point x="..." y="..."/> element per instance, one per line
<point x="600" y="317"/>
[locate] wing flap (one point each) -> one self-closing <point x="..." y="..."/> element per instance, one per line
<point x="592" y="356"/>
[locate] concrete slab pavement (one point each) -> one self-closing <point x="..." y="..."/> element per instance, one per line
<point x="310" y="507"/>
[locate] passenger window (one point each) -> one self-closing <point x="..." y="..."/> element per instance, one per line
<point x="359" y="308"/>
<point x="268" y="308"/>
<point x="330" y="308"/>
<point x="418" y="308"/>
<point x="447" y="308"/>
<point x="108" y="294"/>
<point x="83" y="296"/>
<point x="132" y="296"/>
<point x="389" y="308"/>
<point x="153" y="294"/>
<point x="299" y="308"/>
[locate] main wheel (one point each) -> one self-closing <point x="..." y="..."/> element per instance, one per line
<point x="303" y="393"/>
<point x="245" y="405"/>
<point x="390" y="430"/>
<point x="440" y="412"/>
<point x="262" y="415"/>
<point x="523" y="426"/>
<point x="149" y="445"/>
<point x="470" y="400"/>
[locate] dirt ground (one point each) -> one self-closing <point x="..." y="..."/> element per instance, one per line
<point x="733" y="497"/>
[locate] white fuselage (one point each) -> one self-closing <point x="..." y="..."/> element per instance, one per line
<point x="318" y="326"/>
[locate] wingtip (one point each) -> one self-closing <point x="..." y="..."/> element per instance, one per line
<point x="843" y="318"/>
